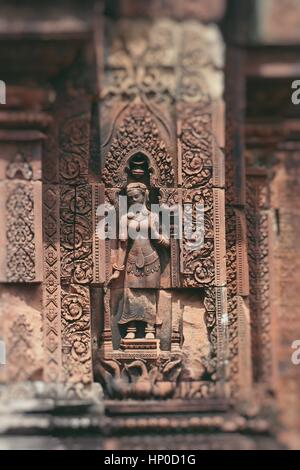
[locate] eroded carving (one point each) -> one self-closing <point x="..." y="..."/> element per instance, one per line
<point x="20" y="254"/>
<point x="51" y="293"/>
<point x="140" y="378"/>
<point x="76" y="335"/>
<point x="138" y="133"/>
<point x="19" y="168"/>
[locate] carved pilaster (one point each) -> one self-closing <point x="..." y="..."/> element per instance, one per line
<point x="231" y="265"/>
<point x="21" y="242"/>
<point x="76" y="239"/>
<point x="197" y="254"/>
<point x="172" y="198"/>
<point x="83" y="258"/>
<point x="51" y="286"/>
<point x="76" y="337"/>
<point x="74" y="141"/>
<point x="99" y="260"/>
<point x="259" y="230"/>
<point x="236" y="233"/>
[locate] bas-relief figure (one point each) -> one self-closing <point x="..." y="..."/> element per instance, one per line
<point x="138" y="260"/>
<point x="160" y="91"/>
<point x="148" y="272"/>
<point x="164" y="151"/>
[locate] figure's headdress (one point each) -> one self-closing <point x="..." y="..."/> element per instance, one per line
<point x="133" y="186"/>
<point x="138" y="186"/>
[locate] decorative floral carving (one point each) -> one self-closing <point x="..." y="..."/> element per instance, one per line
<point x="258" y="255"/>
<point x="138" y="133"/>
<point x="198" y="254"/>
<point x="83" y="261"/>
<point x="196" y="141"/>
<point x="74" y="142"/>
<point x="67" y="232"/>
<point x="231" y="262"/>
<point x="76" y="233"/>
<point x="20" y="252"/>
<point x="141" y="62"/>
<point x="76" y="335"/>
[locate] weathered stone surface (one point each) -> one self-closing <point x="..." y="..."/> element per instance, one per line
<point x="196" y="346"/>
<point x="284" y="196"/>
<point x="22" y="239"/>
<point x="279" y="21"/>
<point x="21" y="330"/>
<point x="138" y="98"/>
<point x="165" y="314"/>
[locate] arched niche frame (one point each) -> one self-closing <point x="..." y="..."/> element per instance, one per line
<point x="138" y="133"/>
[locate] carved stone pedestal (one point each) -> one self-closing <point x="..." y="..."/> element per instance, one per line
<point x="141" y="347"/>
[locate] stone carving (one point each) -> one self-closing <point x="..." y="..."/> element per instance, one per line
<point x="140" y="63"/>
<point x="19" y="168"/>
<point x="197" y="254"/>
<point x="170" y="198"/>
<point x="74" y="139"/>
<point x="217" y="324"/>
<point x="201" y="63"/>
<point x="51" y="293"/>
<point x="76" y="248"/>
<point x="76" y="336"/>
<point x="231" y="263"/>
<point x="258" y="254"/>
<point x="83" y="261"/>
<point x="265" y="298"/>
<point x="76" y="234"/>
<point x="140" y="379"/>
<point x="236" y="240"/>
<point x="100" y="260"/>
<point x="158" y="77"/>
<point x="138" y="133"/>
<point x="139" y="259"/>
<point x="211" y="323"/>
<point x="67" y="236"/>
<point x="76" y="240"/>
<point x="196" y="141"/>
<point x="20" y="254"/>
<point x="21" y="337"/>
<point x="21" y="327"/>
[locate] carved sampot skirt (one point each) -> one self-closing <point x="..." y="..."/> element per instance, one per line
<point x="141" y="284"/>
<point x="139" y="305"/>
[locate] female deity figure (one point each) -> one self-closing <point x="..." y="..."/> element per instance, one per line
<point x="137" y="256"/>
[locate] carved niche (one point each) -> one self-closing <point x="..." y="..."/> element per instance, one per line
<point x="161" y="122"/>
<point x="138" y="133"/>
